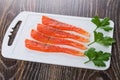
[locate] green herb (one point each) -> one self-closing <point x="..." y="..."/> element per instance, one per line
<point x="99" y="38"/>
<point x="97" y="57"/>
<point x="104" y="24"/>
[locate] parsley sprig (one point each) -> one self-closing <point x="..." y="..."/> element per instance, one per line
<point x="101" y="39"/>
<point x="97" y="57"/>
<point x="103" y="24"/>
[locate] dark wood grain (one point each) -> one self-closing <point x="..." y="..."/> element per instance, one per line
<point x="23" y="70"/>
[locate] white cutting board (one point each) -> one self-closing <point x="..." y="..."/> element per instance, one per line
<point x="29" y="21"/>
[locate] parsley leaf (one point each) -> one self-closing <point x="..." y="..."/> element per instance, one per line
<point x="97" y="57"/>
<point x="89" y="55"/>
<point x="105" y="21"/>
<point x="99" y="63"/>
<point x="107" y="28"/>
<point x="96" y="21"/>
<point x="106" y="41"/>
<point x="102" y="56"/>
<point x="99" y="38"/>
<point x="104" y="24"/>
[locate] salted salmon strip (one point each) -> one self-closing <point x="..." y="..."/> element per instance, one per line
<point x="37" y="46"/>
<point x="63" y="26"/>
<point x="59" y="33"/>
<point x="53" y="40"/>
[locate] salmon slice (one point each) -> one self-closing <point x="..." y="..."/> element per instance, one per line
<point x="53" y="40"/>
<point x="63" y="26"/>
<point x="33" y="45"/>
<point x="59" y="33"/>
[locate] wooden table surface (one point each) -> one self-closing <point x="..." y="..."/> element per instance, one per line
<point x="23" y="70"/>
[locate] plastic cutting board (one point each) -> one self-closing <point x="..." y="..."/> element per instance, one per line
<point x="29" y="21"/>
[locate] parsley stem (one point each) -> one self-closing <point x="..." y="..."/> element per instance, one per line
<point x="95" y="29"/>
<point x="91" y="43"/>
<point x="87" y="61"/>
